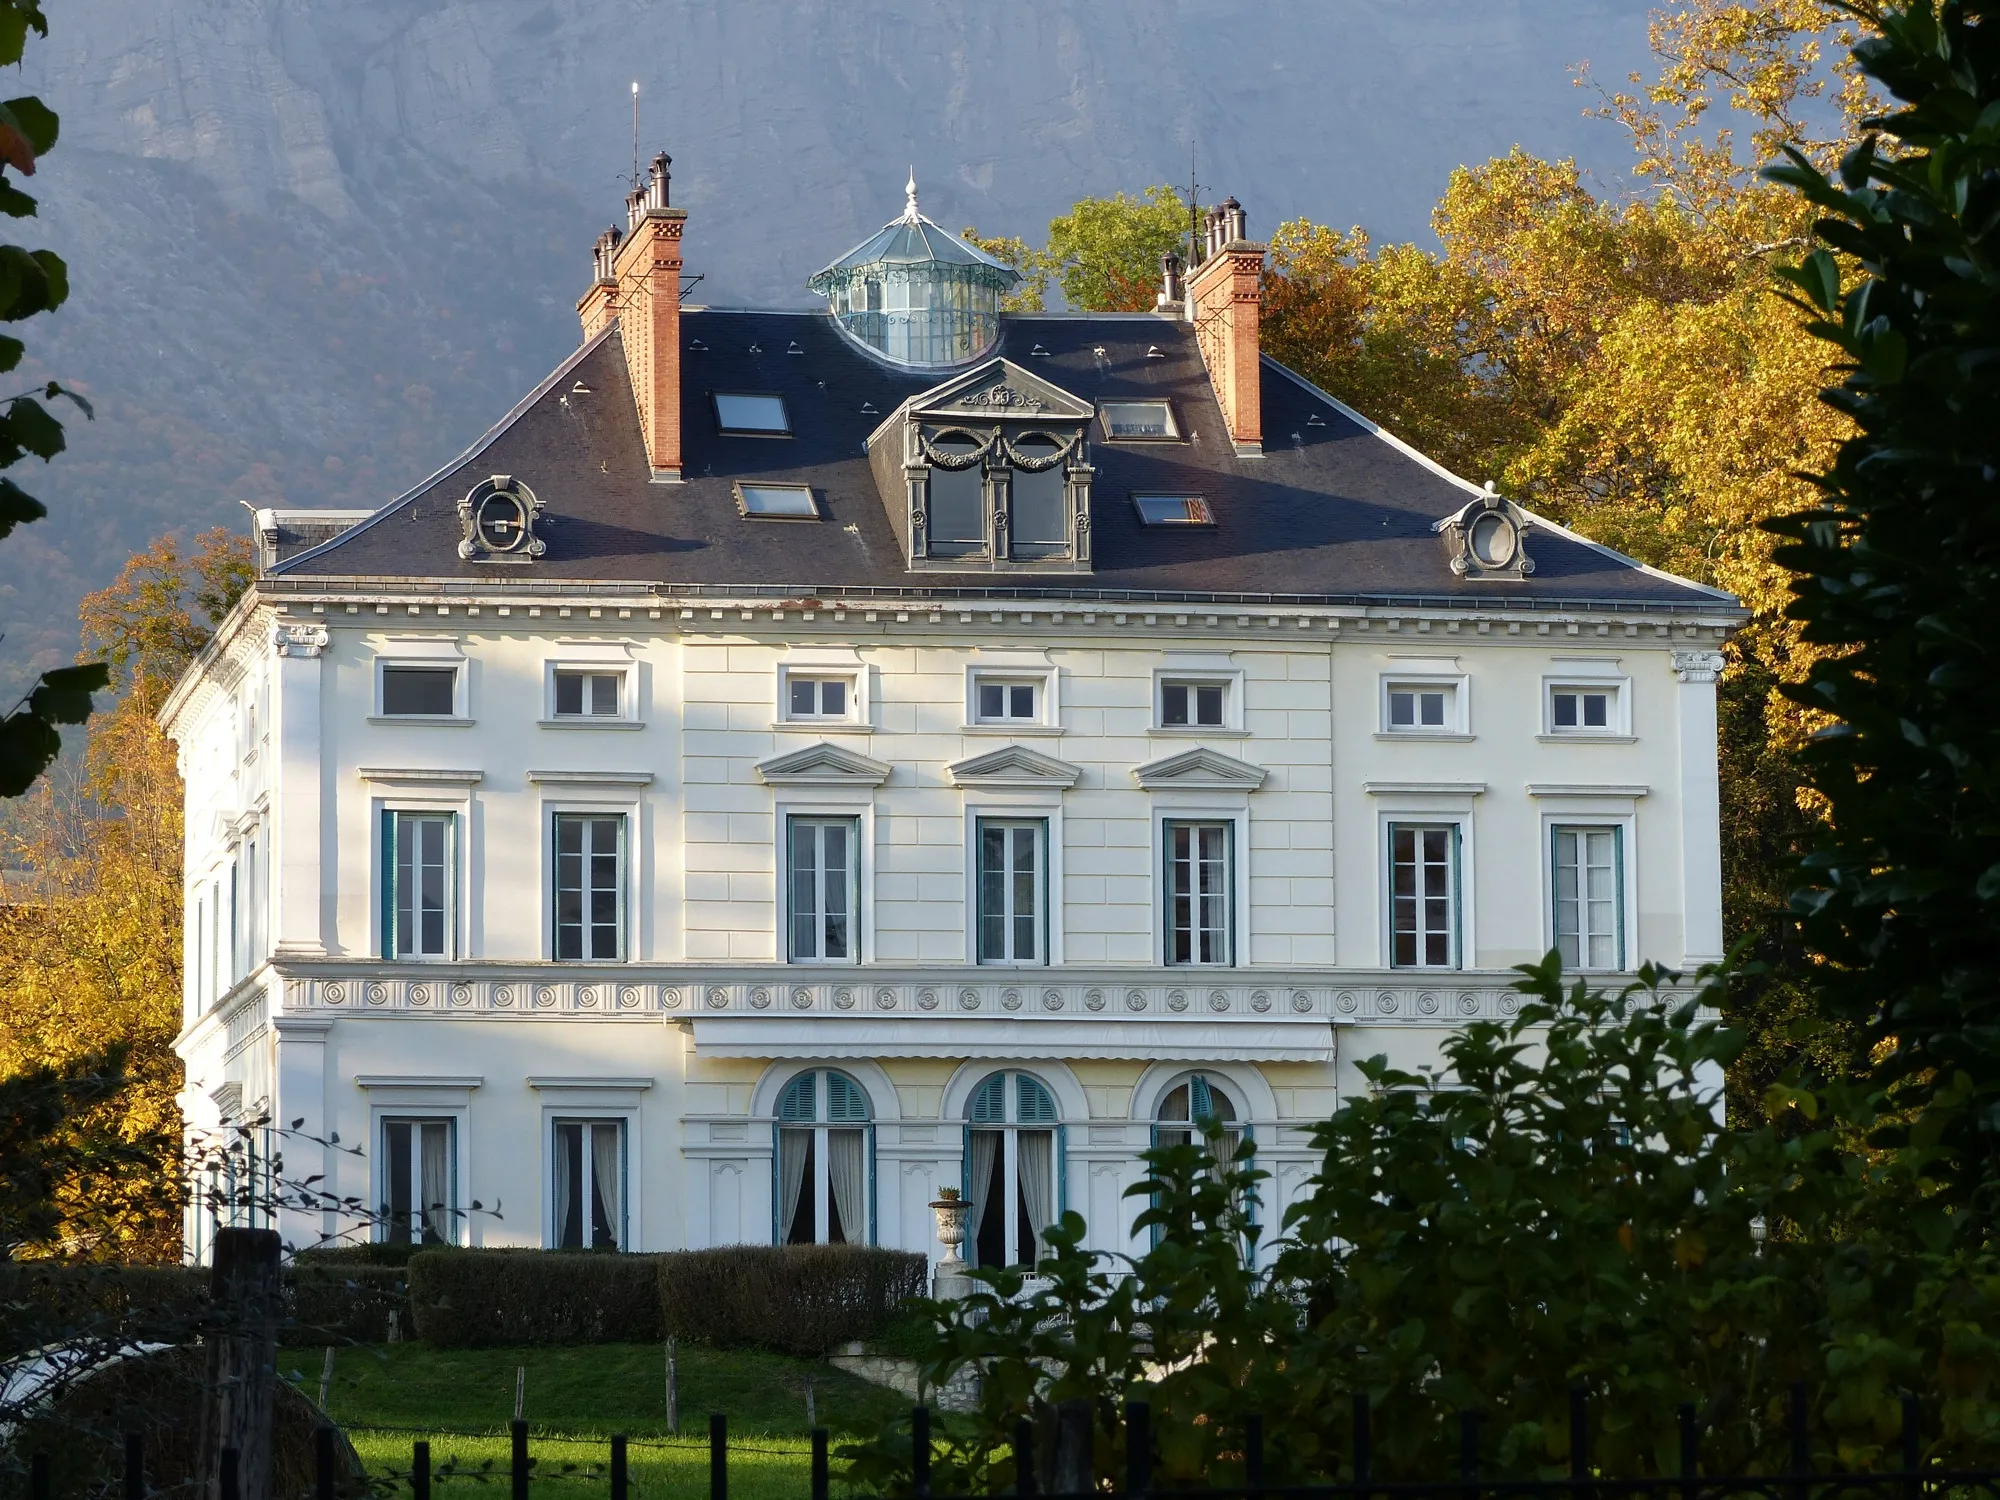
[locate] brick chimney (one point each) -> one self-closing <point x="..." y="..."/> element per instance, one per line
<point x="599" y="305"/>
<point x="1225" y="295"/>
<point x="638" y="282"/>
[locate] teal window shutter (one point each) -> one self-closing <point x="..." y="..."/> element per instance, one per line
<point x="388" y="883"/>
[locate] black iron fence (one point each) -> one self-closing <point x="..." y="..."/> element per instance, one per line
<point x="1065" y="1473"/>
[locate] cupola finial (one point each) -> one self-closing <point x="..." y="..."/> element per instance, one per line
<point x="910" y="213"/>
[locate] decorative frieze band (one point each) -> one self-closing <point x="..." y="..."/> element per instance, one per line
<point x="862" y="997"/>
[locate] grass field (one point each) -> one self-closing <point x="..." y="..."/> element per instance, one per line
<point x="461" y="1400"/>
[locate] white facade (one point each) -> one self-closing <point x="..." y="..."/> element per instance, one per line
<point x="480" y="1065"/>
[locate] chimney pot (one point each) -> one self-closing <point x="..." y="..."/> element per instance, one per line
<point x="1225" y="297"/>
<point x="1171" y="289"/>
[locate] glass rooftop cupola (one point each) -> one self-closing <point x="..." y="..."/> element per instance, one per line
<point x="917" y="293"/>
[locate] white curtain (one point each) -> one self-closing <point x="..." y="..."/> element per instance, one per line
<point x="436" y="1186"/>
<point x="569" y="1162"/>
<point x="985" y="1148"/>
<point x="792" y="1148"/>
<point x="1036" y="1154"/>
<point x="607" y="1173"/>
<point x="846" y="1174"/>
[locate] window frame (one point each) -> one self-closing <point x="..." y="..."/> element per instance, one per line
<point x="1555" y="826"/>
<point x="1009" y="1127"/>
<point x="822" y="1127"/>
<point x="1618" y="725"/>
<point x="723" y="429"/>
<point x="1458" y="709"/>
<point x="1425" y="822"/>
<point x="851" y="676"/>
<point x="1167" y="822"/>
<point x="1041" y="675"/>
<point x="1010" y="818"/>
<point x="554" y="1117"/>
<point x="621" y="676"/>
<point x="390" y="815"/>
<point x="552" y="816"/>
<point x="1175" y="433"/>
<point x="788" y="914"/>
<point x="416" y="1116"/>
<point x="740" y="490"/>
<point x="1208" y="523"/>
<point x="1229" y="679"/>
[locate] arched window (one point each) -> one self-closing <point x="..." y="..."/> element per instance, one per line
<point x="825" y="1190"/>
<point x="1013" y="1167"/>
<point x="1186" y="1110"/>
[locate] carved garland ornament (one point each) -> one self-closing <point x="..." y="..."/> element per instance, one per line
<point x="997" y="442"/>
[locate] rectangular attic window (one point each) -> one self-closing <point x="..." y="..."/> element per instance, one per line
<point x="1138" y="419"/>
<point x="738" y="412"/>
<point x="1173" y="510"/>
<point x="776" y="502"/>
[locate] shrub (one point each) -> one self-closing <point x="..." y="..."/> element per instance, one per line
<point x="42" y="1302"/>
<point x="473" y="1299"/>
<point x="347" y="1302"/>
<point x="803" y="1300"/>
<point x="370" y="1253"/>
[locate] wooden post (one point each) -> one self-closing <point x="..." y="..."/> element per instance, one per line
<point x="1072" y="1474"/>
<point x="326" y="1379"/>
<point x="246" y="1292"/>
<point x="673" y="1390"/>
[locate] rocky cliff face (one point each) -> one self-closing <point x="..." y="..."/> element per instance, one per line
<point x="317" y="245"/>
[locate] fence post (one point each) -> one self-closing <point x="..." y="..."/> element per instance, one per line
<point x="1024" y="1458"/>
<point x="38" y="1476"/>
<point x="228" y="1475"/>
<point x="517" y="1462"/>
<point x="323" y="1462"/>
<point x="673" y="1389"/>
<point x="1913" y="1446"/>
<point x="1364" y="1445"/>
<point x="326" y="1378"/>
<point x="246" y="1290"/>
<point x="819" y="1476"/>
<point x="620" y="1475"/>
<point x="1579" y="1433"/>
<point x="1468" y="1450"/>
<point x="1690" y="1452"/>
<point x="1138" y="1448"/>
<point x="1253" y="1451"/>
<point x="135" y="1466"/>
<point x="718" y="1456"/>
<point x="420" y="1470"/>
<point x="920" y="1451"/>
<point x="1801" y="1442"/>
<point x="1072" y="1467"/>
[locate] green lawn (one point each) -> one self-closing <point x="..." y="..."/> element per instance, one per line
<point x="386" y="1395"/>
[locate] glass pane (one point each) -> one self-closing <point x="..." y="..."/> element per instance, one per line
<point x="833" y="698"/>
<point x="1594" y="710"/>
<point x="833" y="842"/>
<point x="417" y="690"/>
<point x="1174" y="704"/>
<point x="804" y="883"/>
<point x="992" y="700"/>
<point x="737" y="413"/>
<point x="803" y="696"/>
<point x="1173" y="510"/>
<point x="396" y="1180"/>
<point x="1565" y="711"/>
<point x="992" y="893"/>
<point x="1021" y="701"/>
<point x="604" y="694"/>
<point x="569" y="692"/>
<point x="957" y="503"/>
<point x="1402" y="710"/>
<point x="777" y="500"/>
<point x="1038" y="504"/>
<point x="1433" y="709"/>
<point x="1138" y="419"/>
<point x="1208" y="704"/>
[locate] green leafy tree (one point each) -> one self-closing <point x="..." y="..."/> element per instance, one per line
<point x="1898" y="583"/>
<point x="1103" y="255"/>
<point x="31" y="282"/>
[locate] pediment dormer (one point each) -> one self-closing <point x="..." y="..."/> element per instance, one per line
<point x="1200" y="769"/>
<point x="988" y="472"/>
<point x="1014" y="766"/>
<point x="823" y="765"/>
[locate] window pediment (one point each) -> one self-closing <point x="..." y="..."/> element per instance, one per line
<point x="823" y="765"/>
<point x="1000" y="389"/>
<point x="1013" y="765"/>
<point x="1201" y="769"/>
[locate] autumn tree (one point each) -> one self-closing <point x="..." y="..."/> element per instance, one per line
<point x="90" y="942"/>
<point x="1103" y="255"/>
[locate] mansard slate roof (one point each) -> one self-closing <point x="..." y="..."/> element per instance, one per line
<point x="1331" y="510"/>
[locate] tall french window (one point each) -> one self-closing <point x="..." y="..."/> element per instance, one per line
<point x="1423" y="895"/>
<point x="1589" y="906"/>
<point x="589" y="1188"/>
<point x="823" y="1185"/>
<point x="416" y="897"/>
<point x="820" y="880"/>
<point x="1012" y="1162"/>
<point x="590" y="885"/>
<point x="1200" y="903"/>
<point x="418" y="1168"/>
<point x="1013" y="891"/>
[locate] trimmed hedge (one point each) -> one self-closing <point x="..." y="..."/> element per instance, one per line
<point x="44" y="1301"/>
<point x="474" y="1299"/>
<point x="347" y="1302"/>
<point x="803" y="1300"/>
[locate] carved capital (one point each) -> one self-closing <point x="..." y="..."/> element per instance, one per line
<point x="1698" y="666"/>
<point x="299" y="640"/>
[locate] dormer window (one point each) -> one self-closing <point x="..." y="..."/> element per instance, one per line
<point x="745" y="414"/>
<point x="957" y="487"/>
<point x="1139" y="421"/>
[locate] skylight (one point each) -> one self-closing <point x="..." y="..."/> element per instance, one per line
<point x="1138" y="419"/>
<point x="781" y="502"/>
<point x="737" y="411"/>
<point x="1173" y="510"/>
